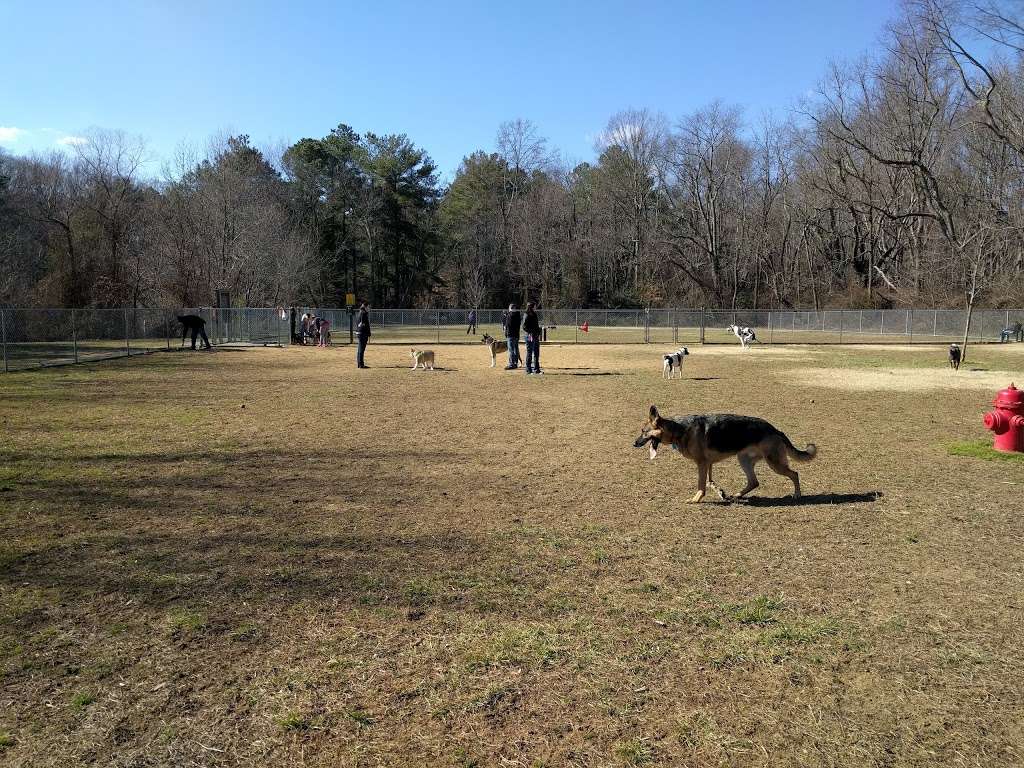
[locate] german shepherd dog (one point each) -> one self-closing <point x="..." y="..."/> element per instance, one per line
<point x="954" y="356"/>
<point x="496" y="346"/>
<point x="708" y="439"/>
<point x="673" y="361"/>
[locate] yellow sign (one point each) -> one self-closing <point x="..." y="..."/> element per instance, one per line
<point x="350" y="299"/>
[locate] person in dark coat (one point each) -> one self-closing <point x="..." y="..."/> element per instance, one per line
<point x="197" y="325"/>
<point x="531" y="327"/>
<point x="472" y="322"/>
<point x="513" y="321"/>
<point x="362" y="334"/>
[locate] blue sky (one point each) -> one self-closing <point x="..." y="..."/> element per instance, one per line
<point x="445" y="73"/>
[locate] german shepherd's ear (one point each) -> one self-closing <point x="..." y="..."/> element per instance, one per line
<point x="654" y="413"/>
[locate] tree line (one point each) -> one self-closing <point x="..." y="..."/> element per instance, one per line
<point x="899" y="183"/>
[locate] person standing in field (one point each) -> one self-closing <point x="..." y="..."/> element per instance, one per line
<point x="323" y="331"/>
<point x="363" y="334"/>
<point x="472" y="322"/>
<point x="513" y="321"/>
<point x="531" y="327"/>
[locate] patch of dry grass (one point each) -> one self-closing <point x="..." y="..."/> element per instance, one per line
<point x="901" y="379"/>
<point x="305" y="564"/>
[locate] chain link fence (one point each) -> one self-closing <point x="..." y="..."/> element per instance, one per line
<point x="33" y="338"/>
<point x="693" y="326"/>
<point x="41" y="337"/>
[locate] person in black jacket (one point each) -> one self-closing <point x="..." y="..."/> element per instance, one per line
<point x="197" y="325"/>
<point x="363" y="334"/>
<point x="531" y="327"/>
<point x="513" y="320"/>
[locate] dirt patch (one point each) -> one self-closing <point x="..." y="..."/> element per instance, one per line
<point x="756" y="351"/>
<point x="900" y="379"/>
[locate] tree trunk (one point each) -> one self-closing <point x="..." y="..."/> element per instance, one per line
<point x="971" y="296"/>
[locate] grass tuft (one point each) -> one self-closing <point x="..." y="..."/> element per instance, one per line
<point x="187" y="621"/>
<point x="82" y="700"/>
<point x="760" y="610"/>
<point x="982" y="449"/>
<point x="294" y="721"/>
<point x="634" y="752"/>
<point x="801" y="633"/>
<point x="360" y="716"/>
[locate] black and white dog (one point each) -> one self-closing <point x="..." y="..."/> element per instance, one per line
<point x="744" y="333"/>
<point x="673" y="362"/>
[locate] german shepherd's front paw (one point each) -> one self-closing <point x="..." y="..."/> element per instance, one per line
<point x="696" y="498"/>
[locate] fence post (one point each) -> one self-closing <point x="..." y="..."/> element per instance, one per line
<point x="576" y="338"/>
<point x="841" y="313"/>
<point x="167" y="329"/>
<point x="935" y="322"/>
<point x="3" y="335"/>
<point x="861" y="328"/>
<point x="910" y="324"/>
<point x="127" y="344"/>
<point x="771" y="329"/>
<point x="647" y="326"/>
<point x="881" y="325"/>
<point x="74" y="335"/>
<point x="702" y="325"/>
<point x="437" y="323"/>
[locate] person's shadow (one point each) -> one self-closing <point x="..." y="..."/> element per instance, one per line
<point x="814" y="498"/>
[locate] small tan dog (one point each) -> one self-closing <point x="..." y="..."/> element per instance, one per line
<point x="422" y="357"/>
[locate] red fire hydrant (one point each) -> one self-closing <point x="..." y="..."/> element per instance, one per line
<point x="1007" y="420"/>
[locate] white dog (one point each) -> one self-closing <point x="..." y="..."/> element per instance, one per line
<point x="673" y="362"/>
<point x="744" y="333"/>
<point x="422" y="357"/>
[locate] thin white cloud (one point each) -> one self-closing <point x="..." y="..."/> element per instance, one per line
<point x="10" y="134"/>
<point x="621" y="135"/>
<point x="72" y="141"/>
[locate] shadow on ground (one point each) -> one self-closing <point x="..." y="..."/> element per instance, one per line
<point x="816" y="498"/>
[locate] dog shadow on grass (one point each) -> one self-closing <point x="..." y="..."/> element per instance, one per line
<point x="438" y="369"/>
<point x="811" y="499"/>
<point x="582" y="372"/>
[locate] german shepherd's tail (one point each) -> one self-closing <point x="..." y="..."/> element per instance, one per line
<point x="805" y="455"/>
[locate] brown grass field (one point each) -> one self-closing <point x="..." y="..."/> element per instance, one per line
<point x="269" y="558"/>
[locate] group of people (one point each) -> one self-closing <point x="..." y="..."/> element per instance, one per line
<point x="317" y="329"/>
<point x="514" y="322"/>
<point x="1015" y="331"/>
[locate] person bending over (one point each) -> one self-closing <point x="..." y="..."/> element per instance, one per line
<point x="197" y="325"/>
